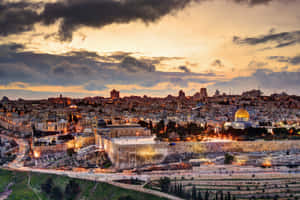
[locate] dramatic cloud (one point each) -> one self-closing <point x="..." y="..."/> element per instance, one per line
<point x="283" y="59"/>
<point x="93" y="13"/>
<point x="88" y="69"/>
<point x="253" y="2"/>
<point x="269" y="80"/>
<point x="17" y="17"/>
<point x="133" y="65"/>
<point x="280" y="40"/>
<point x="184" y="69"/>
<point x="73" y="14"/>
<point x="256" y="64"/>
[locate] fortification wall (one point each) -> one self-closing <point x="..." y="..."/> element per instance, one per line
<point x="130" y="156"/>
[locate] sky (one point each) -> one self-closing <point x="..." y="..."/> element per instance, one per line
<point x="82" y="48"/>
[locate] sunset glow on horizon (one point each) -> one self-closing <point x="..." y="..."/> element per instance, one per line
<point x="84" y="48"/>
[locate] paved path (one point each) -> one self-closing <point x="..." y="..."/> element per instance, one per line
<point x="29" y="185"/>
<point x="144" y="190"/>
<point x="4" y="195"/>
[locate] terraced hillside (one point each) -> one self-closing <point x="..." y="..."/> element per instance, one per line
<point x="233" y="187"/>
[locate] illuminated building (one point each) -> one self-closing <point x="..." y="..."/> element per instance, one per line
<point x="181" y="94"/>
<point x="112" y="138"/>
<point x="114" y="94"/>
<point x="241" y="120"/>
<point x="132" y="133"/>
<point x="203" y="93"/>
<point x="241" y="115"/>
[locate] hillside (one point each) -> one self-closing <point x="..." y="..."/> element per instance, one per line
<point x="36" y="186"/>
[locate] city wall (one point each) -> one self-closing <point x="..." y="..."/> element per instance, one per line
<point x="130" y="156"/>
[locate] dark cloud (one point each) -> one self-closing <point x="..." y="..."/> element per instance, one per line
<point x="99" y="13"/>
<point x="119" y="55"/>
<point x="256" y="64"/>
<point x="94" y="86"/>
<point x="184" y="69"/>
<point x="266" y="79"/>
<point x="73" y="14"/>
<point x="86" y="68"/>
<point x="17" y="17"/>
<point x="280" y="40"/>
<point x="133" y="65"/>
<point x="21" y="16"/>
<point x="283" y="59"/>
<point x="253" y="2"/>
<point x="217" y="63"/>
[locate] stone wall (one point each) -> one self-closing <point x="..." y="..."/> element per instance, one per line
<point x="130" y="156"/>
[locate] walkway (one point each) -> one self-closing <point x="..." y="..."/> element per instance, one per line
<point x="144" y="190"/>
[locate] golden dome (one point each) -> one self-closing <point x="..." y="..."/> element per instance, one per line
<point x="241" y="115"/>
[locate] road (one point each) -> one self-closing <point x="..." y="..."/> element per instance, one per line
<point x="23" y="148"/>
<point x="18" y="165"/>
<point x="207" y="171"/>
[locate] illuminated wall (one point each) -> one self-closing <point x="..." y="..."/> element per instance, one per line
<point x="130" y="156"/>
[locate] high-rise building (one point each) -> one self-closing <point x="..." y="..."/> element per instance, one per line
<point x="203" y="93"/>
<point x="114" y="94"/>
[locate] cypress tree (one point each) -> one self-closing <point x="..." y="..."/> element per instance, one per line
<point x="180" y="190"/>
<point x="199" y="195"/>
<point x="194" y="193"/>
<point x="206" y="195"/>
<point x="228" y="196"/>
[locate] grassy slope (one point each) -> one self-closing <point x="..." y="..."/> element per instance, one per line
<point x="5" y="179"/>
<point x="104" y="191"/>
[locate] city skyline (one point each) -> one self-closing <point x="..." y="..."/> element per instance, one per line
<point x="87" y="48"/>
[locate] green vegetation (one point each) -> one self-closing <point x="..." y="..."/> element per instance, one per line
<point x="6" y="178"/>
<point x="228" y="159"/>
<point x="164" y="184"/>
<point x="36" y="186"/>
<point x="231" y="188"/>
<point x="164" y="130"/>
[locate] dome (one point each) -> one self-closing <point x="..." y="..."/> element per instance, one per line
<point x="242" y="115"/>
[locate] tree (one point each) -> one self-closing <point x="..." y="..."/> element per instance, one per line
<point x="126" y="198"/>
<point x="70" y="152"/>
<point x="56" y="193"/>
<point x="206" y="195"/>
<point x="164" y="184"/>
<point x="171" y="127"/>
<point x="151" y="126"/>
<point x="199" y="195"/>
<point x="228" y="159"/>
<point x="180" y="190"/>
<point x="143" y="123"/>
<point x="72" y="189"/>
<point x="47" y="186"/>
<point x="160" y="126"/>
<point x="228" y="196"/>
<point x="194" y="193"/>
